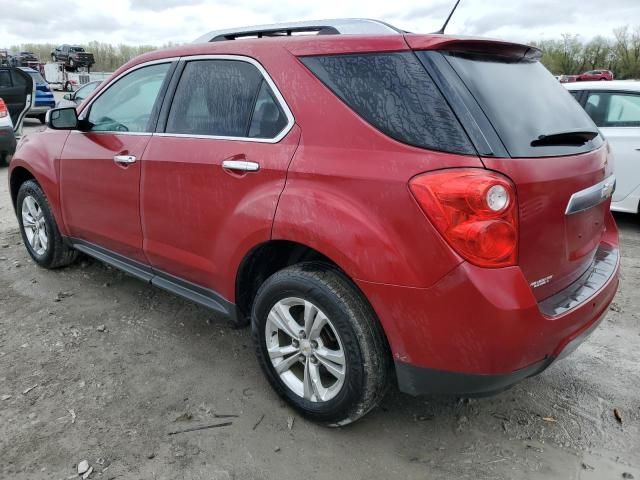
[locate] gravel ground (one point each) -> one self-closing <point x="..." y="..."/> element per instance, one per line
<point x="97" y="366"/>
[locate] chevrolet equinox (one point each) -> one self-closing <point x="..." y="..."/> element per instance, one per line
<point x="382" y="207"/>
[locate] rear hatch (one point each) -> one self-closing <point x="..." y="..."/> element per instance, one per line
<point x="525" y="125"/>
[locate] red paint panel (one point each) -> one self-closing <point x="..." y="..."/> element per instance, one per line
<point x="100" y="199"/>
<point x="199" y="219"/>
<point x="552" y="243"/>
<point x="478" y="321"/>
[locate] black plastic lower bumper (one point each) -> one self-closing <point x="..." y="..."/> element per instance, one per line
<point x="425" y="381"/>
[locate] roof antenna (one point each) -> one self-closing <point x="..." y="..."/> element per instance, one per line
<point x="441" y="31"/>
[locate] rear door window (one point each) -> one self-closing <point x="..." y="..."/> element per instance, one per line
<point x="525" y="103"/>
<point x="216" y="98"/>
<point x="394" y="93"/>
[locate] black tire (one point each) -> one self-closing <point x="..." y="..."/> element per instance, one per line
<point x="367" y="357"/>
<point x="57" y="254"/>
<point x="43" y="118"/>
<point x="4" y="159"/>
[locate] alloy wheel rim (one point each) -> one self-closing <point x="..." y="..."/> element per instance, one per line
<point x="35" y="227"/>
<point x="305" y="349"/>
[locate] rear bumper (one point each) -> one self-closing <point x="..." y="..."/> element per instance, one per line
<point x="421" y="381"/>
<point x="7" y="141"/>
<point x="478" y="331"/>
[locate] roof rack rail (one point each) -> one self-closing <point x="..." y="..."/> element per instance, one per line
<point x="340" y="26"/>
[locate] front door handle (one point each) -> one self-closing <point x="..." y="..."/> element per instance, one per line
<point x="241" y="165"/>
<point x="124" y="159"/>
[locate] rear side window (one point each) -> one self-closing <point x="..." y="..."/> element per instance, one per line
<point x="225" y="98"/>
<point x="614" y="109"/>
<point x="395" y="94"/>
<point x="524" y="103"/>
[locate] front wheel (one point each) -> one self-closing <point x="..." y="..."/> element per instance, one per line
<point x="320" y="344"/>
<point x="38" y="227"/>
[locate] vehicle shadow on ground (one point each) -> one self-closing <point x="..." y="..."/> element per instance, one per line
<point x="628" y="221"/>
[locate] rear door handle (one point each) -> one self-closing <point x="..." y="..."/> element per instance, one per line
<point x="124" y="159"/>
<point x="241" y="165"/>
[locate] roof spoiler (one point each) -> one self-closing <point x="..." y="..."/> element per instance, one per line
<point x="492" y="48"/>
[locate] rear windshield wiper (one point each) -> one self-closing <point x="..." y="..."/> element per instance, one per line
<point x="570" y="138"/>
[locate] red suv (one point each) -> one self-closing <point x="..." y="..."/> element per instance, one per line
<point x="381" y="206"/>
<point x="595" y="75"/>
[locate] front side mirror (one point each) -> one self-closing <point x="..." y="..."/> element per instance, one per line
<point x="62" y="118"/>
<point x="67" y="96"/>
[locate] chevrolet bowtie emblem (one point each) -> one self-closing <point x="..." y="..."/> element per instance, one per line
<point x="608" y="189"/>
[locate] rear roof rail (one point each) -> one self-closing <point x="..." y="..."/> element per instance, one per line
<point x="339" y="26"/>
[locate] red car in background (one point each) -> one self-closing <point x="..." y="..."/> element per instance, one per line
<point x="595" y="75"/>
<point x="381" y="206"/>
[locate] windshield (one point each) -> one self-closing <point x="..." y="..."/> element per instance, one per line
<point x="525" y="104"/>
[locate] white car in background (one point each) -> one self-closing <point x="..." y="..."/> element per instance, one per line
<point x="615" y="108"/>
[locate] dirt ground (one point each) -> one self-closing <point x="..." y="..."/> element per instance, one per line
<point x="71" y="392"/>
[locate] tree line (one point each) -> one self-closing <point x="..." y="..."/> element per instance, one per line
<point x="568" y="55"/>
<point x="571" y="56"/>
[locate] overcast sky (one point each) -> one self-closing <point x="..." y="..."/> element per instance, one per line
<point x="157" y="22"/>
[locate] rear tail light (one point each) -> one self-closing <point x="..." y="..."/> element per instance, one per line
<point x="474" y="210"/>
<point x="4" y="111"/>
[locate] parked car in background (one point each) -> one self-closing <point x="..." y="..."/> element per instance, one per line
<point x="76" y="98"/>
<point x="16" y="96"/>
<point x="615" y="109"/>
<point x="352" y="196"/>
<point x="595" y="75"/>
<point x="73" y="56"/>
<point x="44" y="100"/>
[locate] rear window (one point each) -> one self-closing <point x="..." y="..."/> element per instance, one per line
<point x="394" y="93"/>
<point x="37" y="78"/>
<point x="523" y="102"/>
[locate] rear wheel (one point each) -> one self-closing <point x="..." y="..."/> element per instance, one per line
<point x="4" y="159"/>
<point x="320" y="344"/>
<point x="42" y="117"/>
<point x="38" y="227"/>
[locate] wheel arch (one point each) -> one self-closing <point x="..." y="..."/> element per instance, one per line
<point x="267" y="258"/>
<point x="19" y="175"/>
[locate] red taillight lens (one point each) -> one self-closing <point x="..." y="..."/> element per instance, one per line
<point x="4" y="112"/>
<point x="474" y="210"/>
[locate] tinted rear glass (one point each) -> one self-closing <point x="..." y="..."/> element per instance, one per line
<point x="395" y="94"/>
<point x="523" y="101"/>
